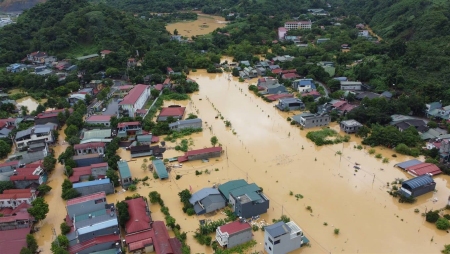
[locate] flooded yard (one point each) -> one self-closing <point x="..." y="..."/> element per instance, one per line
<point x="30" y="103"/>
<point x="263" y="148"/>
<point x="204" y="24"/>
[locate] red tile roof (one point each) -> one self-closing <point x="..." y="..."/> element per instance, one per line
<point x="133" y="95"/>
<point x="339" y="103"/>
<point x="139" y="220"/>
<point x="95" y="241"/>
<point x="9" y="163"/>
<point x="105" y="52"/>
<point x="145" y="239"/>
<point x="289" y="71"/>
<point x="12" y="241"/>
<point x="125" y="87"/>
<point x="290" y="75"/>
<point x="78" y="172"/>
<point x="16" y="193"/>
<point x="275" y="97"/>
<point x="89" y="145"/>
<point x="141" y="111"/>
<point x="161" y="240"/>
<point x="155" y="139"/>
<point x="182" y="158"/>
<point x="176" y="245"/>
<point x="424" y="168"/>
<point x="312" y="93"/>
<point x="234" y="227"/>
<point x="167" y="81"/>
<point x="172" y="111"/>
<point x="169" y="69"/>
<point x="51" y="113"/>
<point x="159" y="87"/>
<point x="204" y="150"/>
<point x="24" y="174"/>
<point x="19" y="208"/>
<point x="22" y="214"/>
<point x="277" y="71"/>
<point x="99" y="118"/>
<point x="87" y="198"/>
<point x="127" y="123"/>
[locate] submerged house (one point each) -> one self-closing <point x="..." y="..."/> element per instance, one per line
<point x="124" y="173"/>
<point x="140" y="151"/>
<point x="286" y="104"/>
<point x="201" y="154"/>
<point x="207" y="200"/>
<point x="234" y="233"/>
<point x="418" y="186"/>
<point x="350" y="126"/>
<point x="91" y="187"/>
<point x="281" y="237"/>
<point x="160" y="169"/>
<point x="309" y="120"/>
<point x="184" y="124"/>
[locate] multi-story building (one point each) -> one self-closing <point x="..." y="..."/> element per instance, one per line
<point x="129" y="128"/>
<point x="305" y="24"/>
<point x="309" y="120"/>
<point x="33" y="134"/>
<point x="233" y="234"/>
<point x="134" y="100"/>
<point x="281" y="237"/>
<point x="14" y="197"/>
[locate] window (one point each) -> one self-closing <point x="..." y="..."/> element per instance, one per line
<point x="270" y="240"/>
<point x="276" y="242"/>
<point x="270" y="248"/>
<point x="266" y="243"/>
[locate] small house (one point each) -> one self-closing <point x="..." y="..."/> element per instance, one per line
<point x="351" y="85"/>
<point x="195" y="123"/>
<point x="91" y="187"/>
<point x="140" y="151"/>
<point x="207" y="200"/>
<point x="124" y="173"/>
<point x="14" y="197"/>
<point x="176" y="112"/>
<point x="423" y="169"/>
<point x="418" y="186"/>
<point x="233" y="234"/>
<point x="125" y="129"/>
<point x="281" y="237"/>
<point x="350" y="126"/>
<point x="99" y="120"/>
<point x="287" y="104"/>
<point x="160" y="169"/>
<point x="201" y="154"/>
<point x="248" y="201"/>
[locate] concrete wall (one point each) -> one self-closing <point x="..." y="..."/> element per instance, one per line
<point x="316" y="121"/>
<point x="85" y="207"/>
<point x="126" y="182"/>
<point x="240" y="238"/>
<point x="351" y="129"/>
<point x="88" y="161"/>
<point x="164" y="118"/>
<point x="107" y="188"/>
<point x="204" y="156"/>
<point x="249" y="209"/>
<point x="284" y="246"/>
<point x="423" y="190"/>
<point x="102" y="232"/>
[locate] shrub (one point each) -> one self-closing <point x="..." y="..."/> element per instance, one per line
<point x="190" y="211"/>
<point x="359" y="147"/>
<point x="291" y="193"/>
<point x="155" y="175"/>
<point x="132" y="187"/>
<point x="432" y="216"/>
<point x="385" y="160"/>
<point x="416" y="210"/>
<point x="65" y="229"/>
<point x="447" y="216"/>
<point x="378" y="156"/>
<point x="442" y="224"/>
<point x="371" y="151"/>
<point x="336" y="231"/>
<point x="177" y="177"/>
<point x="255" y="228"/>
<point x="288" y="119"/>
<point x="325" y="224"/>
<point x="394" y="155"/>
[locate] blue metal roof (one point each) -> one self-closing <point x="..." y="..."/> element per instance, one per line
<point x="277" y="229"/>
<point x="124" y="169"/>
<point x="90" y="183"/>
<point x="407" y="164"/>
<point x="160" y="169"/>
<point x="418" y="181"/>
<point x="203" y="193"/>
<point x="98" y="226"/>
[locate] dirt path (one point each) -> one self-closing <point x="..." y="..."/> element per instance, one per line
<point x="373" y="33"/>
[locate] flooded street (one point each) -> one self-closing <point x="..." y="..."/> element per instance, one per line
<point x="263" y="148"/>
<point x="204" y="24"/>
<point x="30" y="103"/>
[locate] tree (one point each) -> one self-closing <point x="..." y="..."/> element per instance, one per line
<point x="44" y="189"/>
<point x="112" y="175"/>
<point x="5" y="149"/>
<point x="65" y="229"/>
<point x="432" y="124"/>
<point x="432" y="216"/>
<point x="25" y="250"/>
<point x="446" y="249"/>
<point x="73" y="86"/>
<point x="175" y="32"/>
<point x="192" y="116"/>
<point x="185" y="195"/>
<point x="6" y="185"/>
<point x="362" y="132"/>
<point x="154" y="93"/>
<point x="61" y="118"/>
<point x="235" y="72"/>
<point x="214" y="140"/>
<point x="32" y="243"/>
<point x="71" y="131"/>
<point x="442" y="224"/>
<point x="49" y="163"/>
<point x="39" y="209"/>
<point x="40" y="108"/>
<point x="124" y="216"/>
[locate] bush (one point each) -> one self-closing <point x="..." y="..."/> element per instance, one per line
<point x="378" y="156"/>
<point x="65" y="229"/>
<point x="155" y="175"/>
<point x="132" y="187"/>
<point x="255" y="227"/>
<point x="447" y="216"/>
<point x="385" y="160"/>
<point x="442" y="224"/>
<point x="336" y="231"/>
<point x="432" y="216"/>
<point x="177" y="177"/>
<point x="190" y="211"/>
<point x="371" y="151"/>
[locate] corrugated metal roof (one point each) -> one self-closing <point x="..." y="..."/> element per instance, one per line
<point x="249" y="190"/>
<point x="97" y="134"/>
<point x="418" y="181"/>
<point x="160" y="169"/>
<point x="407" y="164"/>
<point x="203" y="193"/>
<point x="124" y="169"/>
<point x="277" y="229"/>
<point x="91" y="183"/>
<point x="211" y="199"/>
<point x="230" y="185"/>
<point x="234" y="227"/>
<point x="187" y="121"/>
<point x="98" y="226"/>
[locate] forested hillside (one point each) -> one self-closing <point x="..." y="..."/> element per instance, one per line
<point x="60" y="26"/>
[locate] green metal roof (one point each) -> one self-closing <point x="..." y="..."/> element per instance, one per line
<point x="160" y="169"/>
<point x="124" y="170"/>
<point x="249" y="190"/>
<point x="227" y="187"/>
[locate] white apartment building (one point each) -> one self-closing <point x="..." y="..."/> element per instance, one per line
<point x="35" y="133"/>
<point x="305" y="24"/>
<point x="135" y="99"/>
<point x="14" y="197"/>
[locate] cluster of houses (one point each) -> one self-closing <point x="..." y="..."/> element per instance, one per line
<point x="248" y="202"/>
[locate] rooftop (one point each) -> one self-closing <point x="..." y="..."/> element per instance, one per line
<point x="139" y="216"/>
<point x="172" y="111"/>
<point x="97" y="240"/>
<point x="89" y="145"/>
<point x="12" y="241"/>
<point x="351" y="123"/>
<point x="203" y="193"/>
<point x="91" y="183"/>
<point x="278" y="229"/>
<point x="134" y="94"/>
<point x="124" y="124"/>
<point x="418" y="181"/>
<point x="98" y="226"/>
<point x="96" y="134"/>
<point x="98" y="118"/>
<point x="204" y="150"/>
<point x="87" y="198"/>
<point x="424" y="168"/>
<point x="124" y="169"/>
<point x="139" y="240"/>
<point x="226" y="188"/>
<point x="234" y="227"/>
<point x="160" y="169"/>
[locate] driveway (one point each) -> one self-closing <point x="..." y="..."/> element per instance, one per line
<point x="113" y="107"/>
<point x="324" y="87"/>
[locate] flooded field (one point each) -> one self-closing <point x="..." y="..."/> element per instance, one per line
<point x="262" y="147"/>
<point x="204" y="24"/>
<point x="30" y="103"/>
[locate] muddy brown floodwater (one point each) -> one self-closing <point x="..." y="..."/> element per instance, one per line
<point x="204" y="24"/>
<point x="267" y="150"/>
<point x="30" y="103"/>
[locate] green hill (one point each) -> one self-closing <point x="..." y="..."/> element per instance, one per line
<point x="73" y="28"/>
